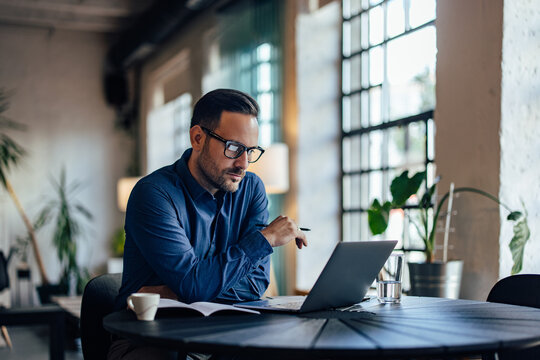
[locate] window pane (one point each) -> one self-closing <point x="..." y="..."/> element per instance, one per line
<point x="416" y="143"/>
<point x="421" y="11"/>
<point x="355" y="73"/>
<point x="396" y="226"/>
<point x="396" y="147"/>
<point x="364" y="152"/>
<point x="351" y="7"/>
<point x="396" y="18"/>
<point x="364" y="228"/>
<point x="411" y="73"/>
<point x="351" y="151"/>
<point x="264" y="52"/>
<point x="347" y="191"/>
<point x="265" y="133"/>
<point x="351" y="112"/>
<point x="263" y="77"/>
<point x="364" y="34"/>
<point x="346" y="154"/>
<point x="351" y="226"/>
<point x="376" y="25"/>
<point x="376" y="142"/>
<point x="407" y="145"/>
<point x="375" y="186"/>
<point x="355" y="31"/>
<point x="347" y="38"/>
<point x="364" y="190"/>
<point x="376" y="63"/>
<point x="430" y="138"/>
<point x="355" y="192"/>
<point x="346" y="114"/>
<point x="365" y="69"/>
<point x="355" y="150"/>
<point x="364" y="108"/>
<point x="346" y="76"/>
<point x="375" y="104"/>
<point x="265" y="101"/>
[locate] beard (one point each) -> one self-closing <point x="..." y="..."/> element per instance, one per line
<point x="214" y="176"/>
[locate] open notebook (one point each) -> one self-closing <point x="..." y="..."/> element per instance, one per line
<point x="344" y="281"/>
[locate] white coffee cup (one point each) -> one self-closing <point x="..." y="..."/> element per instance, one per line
<point x="144" y="305"/>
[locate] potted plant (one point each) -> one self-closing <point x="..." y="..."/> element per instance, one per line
<point x="10" y="155"/>
<point x="115" y="263"/>
<point x="402" y="188"/>
<point x="66" y="213"/>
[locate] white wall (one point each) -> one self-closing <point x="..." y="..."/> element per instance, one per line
<point x="56" y="77"/>
<point x="520" y="127"/>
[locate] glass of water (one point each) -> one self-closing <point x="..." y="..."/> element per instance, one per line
<point x="389" y="280"/>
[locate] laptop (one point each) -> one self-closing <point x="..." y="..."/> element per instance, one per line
<point x="344" y="281"/>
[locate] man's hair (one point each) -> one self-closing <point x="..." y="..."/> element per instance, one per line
<point x="207" y="111"/>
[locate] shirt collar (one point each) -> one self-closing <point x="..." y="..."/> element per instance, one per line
<point x="194" y="188"/>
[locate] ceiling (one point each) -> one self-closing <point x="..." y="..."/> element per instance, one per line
<point x="102" y="16"/>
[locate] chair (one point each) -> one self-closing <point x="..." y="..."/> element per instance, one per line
<point x="97" y="302"/>
<point x="521" y="290"/>
<point x="4" y="284"/>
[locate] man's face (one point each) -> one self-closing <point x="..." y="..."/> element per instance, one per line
<point x="218" y="171"/>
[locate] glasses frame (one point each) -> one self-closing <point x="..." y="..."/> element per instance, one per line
<point x="239" y="144"/>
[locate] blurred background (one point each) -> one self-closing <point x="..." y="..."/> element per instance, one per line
<point x="96" y="93"/>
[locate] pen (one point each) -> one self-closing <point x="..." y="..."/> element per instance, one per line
<point x="301" y="228"/>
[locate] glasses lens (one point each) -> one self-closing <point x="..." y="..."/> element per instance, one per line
<point x="254" y="155"/>
<point x="233" y="150"/>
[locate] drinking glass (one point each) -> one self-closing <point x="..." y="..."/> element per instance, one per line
<point x="389" y="280"/>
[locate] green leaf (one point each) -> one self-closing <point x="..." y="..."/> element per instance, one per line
<point x="378" y="216"/>
<point x="514" y="215"/>
<point x="517" y="244"/>
<point x="403" y="187"/>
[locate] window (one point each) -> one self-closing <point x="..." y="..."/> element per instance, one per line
<point x="388" y="97"/>
<point x="168" y="132"/>
<point x="244" y="53"/>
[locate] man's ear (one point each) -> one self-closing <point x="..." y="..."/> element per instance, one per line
<point x="197" y="137"/>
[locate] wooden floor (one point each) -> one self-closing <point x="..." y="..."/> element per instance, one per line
<point x="32" y="343"/>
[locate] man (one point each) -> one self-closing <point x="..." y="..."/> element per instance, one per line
<point x="192" y="227"/>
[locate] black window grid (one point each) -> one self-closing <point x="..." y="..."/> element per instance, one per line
<point x="386" y="124"/>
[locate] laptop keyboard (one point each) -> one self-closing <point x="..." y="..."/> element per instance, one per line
<point x="294" y="305"/>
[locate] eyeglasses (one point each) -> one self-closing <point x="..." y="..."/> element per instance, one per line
<point x="234" y="149"/>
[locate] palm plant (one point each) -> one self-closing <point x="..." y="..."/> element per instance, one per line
<point x="11" y="154"/>
<point x="66" y="213"/>
<point x="403" y="187"/>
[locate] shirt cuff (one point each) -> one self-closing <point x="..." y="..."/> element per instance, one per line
<point x="256" y="246"/>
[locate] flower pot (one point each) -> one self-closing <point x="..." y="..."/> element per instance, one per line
<point x="46" y="292"/>
<point x="436" y="279"/>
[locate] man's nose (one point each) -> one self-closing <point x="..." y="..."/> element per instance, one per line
<point x="242" y="161"/>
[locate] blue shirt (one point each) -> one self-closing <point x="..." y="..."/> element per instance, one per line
<point x="203" y="247"/>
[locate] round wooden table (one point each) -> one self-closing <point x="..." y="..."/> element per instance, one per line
<point x="419" y="326"/>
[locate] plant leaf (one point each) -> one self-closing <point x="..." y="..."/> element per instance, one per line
<point x="517" y="244"/>
<point x="403" y="187"/>
<point x="378" y="216"/>
<point x="514" y="215"/>
<point x="84" y="211"/>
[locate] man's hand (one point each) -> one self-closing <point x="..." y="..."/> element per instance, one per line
<point x="163" y="290"/>
<point x="282" y="230"/>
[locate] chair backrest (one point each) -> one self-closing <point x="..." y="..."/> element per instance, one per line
<point x="97" y="302"/>
<point x="521" y="290"/>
